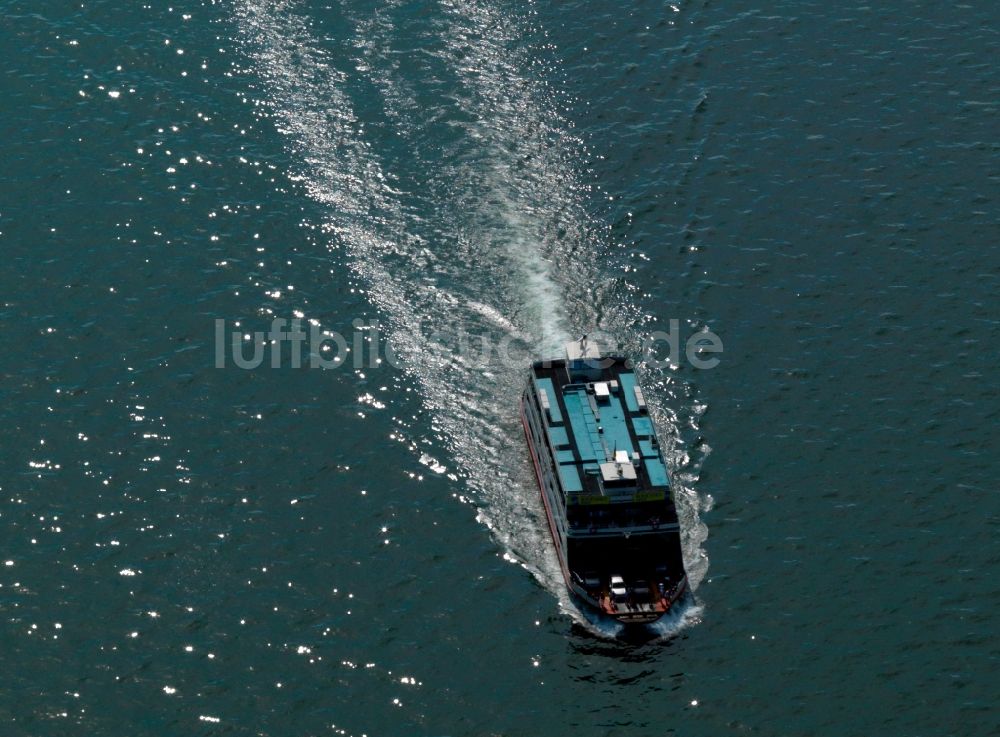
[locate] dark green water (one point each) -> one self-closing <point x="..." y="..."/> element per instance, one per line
<point x="190" y="550"/>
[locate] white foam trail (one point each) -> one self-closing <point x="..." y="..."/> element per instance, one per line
<point x="486" y="205"/>
<point x="511" y="250"/>
<point x="539" y="292"/>
<point x="678" y="620"/>
<point x="493" y="315"/>
<point x="525" y="190"/>
<point x="477" y="416"/>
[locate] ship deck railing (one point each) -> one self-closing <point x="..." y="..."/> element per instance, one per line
<point x="578" y="529"/>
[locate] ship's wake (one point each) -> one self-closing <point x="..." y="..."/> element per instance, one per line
<point x="453" y="196"/>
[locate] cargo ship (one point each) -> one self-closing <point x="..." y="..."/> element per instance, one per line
<point x="604" y="484"/>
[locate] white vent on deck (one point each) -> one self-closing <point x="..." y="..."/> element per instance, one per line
<point x="543" y="399"/>
<point x="617" y="473"/>
<point x="639" y="399"/>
